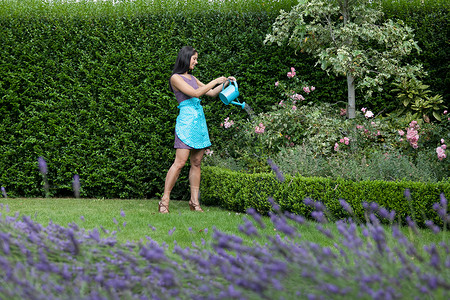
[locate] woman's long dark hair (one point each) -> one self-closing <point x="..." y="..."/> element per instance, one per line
<point x="183" y="61"/>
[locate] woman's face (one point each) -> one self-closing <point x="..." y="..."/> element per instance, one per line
<point x="193" y="61"/>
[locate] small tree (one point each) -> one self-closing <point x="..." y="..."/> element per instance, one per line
<point x="347" y="38"/>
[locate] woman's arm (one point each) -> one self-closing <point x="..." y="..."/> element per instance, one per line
<point x="179" y="84"/>
<point x="216" y="91"/>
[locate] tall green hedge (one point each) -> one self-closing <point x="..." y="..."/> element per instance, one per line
<point x="85" y="85"/>
<point x="430" y="21"/>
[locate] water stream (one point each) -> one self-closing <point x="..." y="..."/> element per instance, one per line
<point x="249" y="111"/>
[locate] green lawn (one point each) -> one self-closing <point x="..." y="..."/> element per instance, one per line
<point x="143" y="220"/>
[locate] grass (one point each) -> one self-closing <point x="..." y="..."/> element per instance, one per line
<point x="140" y="219"/>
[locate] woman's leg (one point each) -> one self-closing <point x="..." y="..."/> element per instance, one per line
<point x="194" y="177"/>
<point x="181" y="157"/>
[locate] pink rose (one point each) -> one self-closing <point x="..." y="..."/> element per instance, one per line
<point x="369" y="114"/>
<point x="440" y="153"/>
<point x="336" y="147"/>
<point x="401" y="132"/>
<point x="276" y="84"/>
<point x="294" y="107"/>
<point x="312" y="88"/>
<point x="306" y="90"/>
<point x="291" y="74"/>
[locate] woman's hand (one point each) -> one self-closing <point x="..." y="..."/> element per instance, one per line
<point x="231" y="78"/>
<point x="221" y="80"/>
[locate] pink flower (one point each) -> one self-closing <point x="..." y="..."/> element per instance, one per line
<point x="413" y="124"/>
<point x="306" y="90"/>
<point x="297" y="97"/>
<point x="260" y="128"/>
<point x="281" y="103"/>
<point x="440" y="153"/>
<point x="294" y="107"/>
<point x="401" y="132"/>
<point x="276" y="84"/>
<point x="442" y="141"/>
<point x="291" y="74"/>
<point x="312" y="88"/>
<point x="444" y="146"/>
<point x="412" y="136"/>
<point x="369" y="114"/>
<point x="228" y="123"/>
<point x="359" y="127"/>
<point x="336" y="147"/>
<point x="345" y="140"/>
<point x="363" y="109"/>
<point x="445" y="112"/>
<point x="343" y="112"/>
<point x="208" y="152"/>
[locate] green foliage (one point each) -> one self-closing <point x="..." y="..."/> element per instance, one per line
<point x="414" y="95"/>
<point x="430" y="21"/>
<point x="342" y="36"/>
<point x="240" y="191"/>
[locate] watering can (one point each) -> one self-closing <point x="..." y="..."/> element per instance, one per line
<point x="230" y="94"/>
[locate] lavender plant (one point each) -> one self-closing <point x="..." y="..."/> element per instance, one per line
<point x="361" y="260"/>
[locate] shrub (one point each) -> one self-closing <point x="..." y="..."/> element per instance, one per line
<point x="239" y="191"/>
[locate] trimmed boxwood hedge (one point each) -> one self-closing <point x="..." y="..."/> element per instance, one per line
<point x="240" y="191"/>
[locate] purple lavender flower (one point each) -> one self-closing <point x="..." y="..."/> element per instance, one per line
<point x="42" y="165"/>
<point x="443" y="200"/>
<point x="4" y="192"/>
<point x="276" y="170"/>
<point x="319" y="216"/>
<point x="430" y="224"/>
<point x="122" y="213"/>
<point x="346" y="206"/>
<point x="248" y="228"/>
<point x="257" y="217"/>
<point x="76" y="185"/>
<point x="171" y="231"/>
<point x="407" y="194"/>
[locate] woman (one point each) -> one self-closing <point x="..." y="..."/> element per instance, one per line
<point x="191" y="133"/>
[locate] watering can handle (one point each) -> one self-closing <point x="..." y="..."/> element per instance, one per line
<point x="235" y="83"/>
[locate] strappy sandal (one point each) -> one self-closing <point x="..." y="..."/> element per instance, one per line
<point x="195" y="207"/>
<point x="162" y="208"/>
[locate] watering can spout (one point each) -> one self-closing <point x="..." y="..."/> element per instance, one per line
<point x="239" y="104"/>
<point x="230" y="94"/>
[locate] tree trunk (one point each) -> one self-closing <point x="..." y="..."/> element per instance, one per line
<point x="351" y="109"/>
